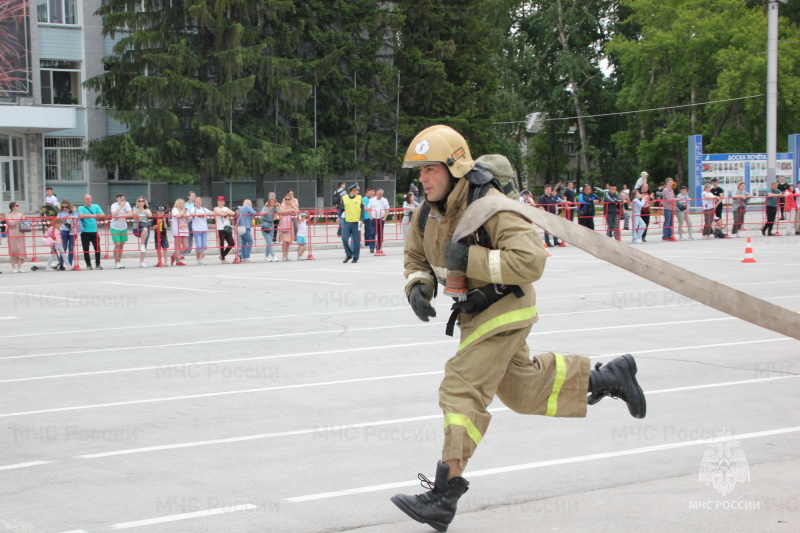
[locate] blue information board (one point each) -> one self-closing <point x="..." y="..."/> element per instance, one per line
<point x="730" y="169"/>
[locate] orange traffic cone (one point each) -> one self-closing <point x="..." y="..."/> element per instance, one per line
<point x="748" y="252"/>
<point x="546" y="250"/>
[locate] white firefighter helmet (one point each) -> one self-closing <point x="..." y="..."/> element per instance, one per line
<point x="440" y="144"/>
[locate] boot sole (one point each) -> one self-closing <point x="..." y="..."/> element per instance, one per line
<point x="438" y="526"/>
<point x="628" y="358"/>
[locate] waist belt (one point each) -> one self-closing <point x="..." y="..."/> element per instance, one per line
<point x="480" y="299"/>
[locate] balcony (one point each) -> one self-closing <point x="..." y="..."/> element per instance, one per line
<point x="35" y="119"/>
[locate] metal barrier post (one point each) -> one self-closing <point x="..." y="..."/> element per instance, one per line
<point x="312" y="219"/>
<point x="236" y="260"/>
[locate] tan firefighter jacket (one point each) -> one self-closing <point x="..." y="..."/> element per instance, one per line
<point x="517" y="258"/>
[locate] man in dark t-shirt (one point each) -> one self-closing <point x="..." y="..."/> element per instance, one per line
<point x="719" y="192"/>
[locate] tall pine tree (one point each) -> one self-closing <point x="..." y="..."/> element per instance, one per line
<point x="180" y="73"/>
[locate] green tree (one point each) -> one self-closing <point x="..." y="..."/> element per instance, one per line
<point x="177" y="79"/>
<point x="684" y="53"/>
<point x="446" y="54"/>
<point x="567" y="37"/>
<point x="346" y="50"/>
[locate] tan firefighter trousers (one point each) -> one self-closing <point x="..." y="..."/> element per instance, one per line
<point x="500" y="364"/>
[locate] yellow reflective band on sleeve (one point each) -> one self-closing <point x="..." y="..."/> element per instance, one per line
<point x="454" y="419"/>
<point x="561" y="374"/>
<point x="518" y="315"/>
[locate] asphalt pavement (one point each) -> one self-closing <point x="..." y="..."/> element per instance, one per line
<point x="299" y="396"/>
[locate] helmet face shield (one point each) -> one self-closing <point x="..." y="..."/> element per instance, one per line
<point x="440" y="144"/>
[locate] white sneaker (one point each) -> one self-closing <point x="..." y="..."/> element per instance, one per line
<point x="636" y="241"/>
<point x="21" y="269"/>
<point x="119" y="265"/>
<point x="14" y="270"/>
<point x="142" y="265"/>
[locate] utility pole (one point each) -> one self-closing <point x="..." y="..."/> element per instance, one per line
<point x="772" y="89"/>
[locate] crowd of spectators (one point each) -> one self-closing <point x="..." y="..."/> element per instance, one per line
<point x="282" y="223"/>
<point x="633" y="208"/>
<point x="186" y="225"/>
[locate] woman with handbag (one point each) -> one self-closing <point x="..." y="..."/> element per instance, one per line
<point x="243" y="225"/>
<point x="16" y="237"/>
<point x="224" y="228"/>
<point x="269" y="217"/>
<point x="180" y="231"/>
<point x="141" y="227"/>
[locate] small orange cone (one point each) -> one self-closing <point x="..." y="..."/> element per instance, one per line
<point x="748" y="252"/>
<point x="546" y="250"/>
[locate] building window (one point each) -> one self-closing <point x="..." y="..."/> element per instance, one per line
<point x="569" y="148"/>
<point x="120" y="173"/>
<point x="8" y="99"/>
<point x="61" y="82"/>
<point x="56" y="11"/>
<point x="63" y="158"/>
<point x="12" y="164"/>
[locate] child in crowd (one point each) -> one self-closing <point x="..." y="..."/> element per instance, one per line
<point x="162" y="228"/>
<point x="3" y="227"/>
<point x="52" y="238"/>
<point x="719" y="231"/>
<point x="302" y="235"/>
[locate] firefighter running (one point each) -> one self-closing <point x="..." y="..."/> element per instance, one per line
<point x="501" y="263"/>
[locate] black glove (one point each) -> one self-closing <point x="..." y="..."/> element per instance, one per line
<point x="420" y="299"/>
<point x="456" y="256"/>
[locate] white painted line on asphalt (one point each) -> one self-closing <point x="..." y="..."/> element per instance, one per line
<point x="176" y="367"/>
<point x="8" y="317"/>
<point x="700" y="346"/>
<point x="128" y="284"/>
<point x="224" y="393"/>
<point x="270" y="278"/>
<point x="305" y="315"/>
<point x="24" y="465"/>
<point x="90" y="282"/>
<point x="346" y="427"/>
<point x="266" y="436"/>
<point x="542" y="464"/>
<point x="223" y="321"/>
<point x="184" y="516"/>
<point x="50" y="296"/>
<point x="76" y="531"/>
<point x="216" y="341"/>
<point x="626" y="326"/>
<point x="345" y="330"/>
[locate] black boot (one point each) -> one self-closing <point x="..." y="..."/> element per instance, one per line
<point x="618" y="380"/>
<point x="437" y="507"/>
